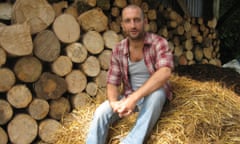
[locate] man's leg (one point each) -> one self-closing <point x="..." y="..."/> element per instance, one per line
<point x="149" y="114"/>
<point x="103" y="117"/>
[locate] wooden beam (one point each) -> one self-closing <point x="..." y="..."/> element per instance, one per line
<point x="184" y="7"/>
<point x="216" y="6"/>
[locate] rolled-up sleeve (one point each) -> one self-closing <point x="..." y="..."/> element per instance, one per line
<point x="114" y="72"/>
<point x="164" y="56"/>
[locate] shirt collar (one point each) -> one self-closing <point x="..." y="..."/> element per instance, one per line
<point x="147" y="42"/>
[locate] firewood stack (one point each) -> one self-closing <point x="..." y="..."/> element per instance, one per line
<point x="55" y="55"/>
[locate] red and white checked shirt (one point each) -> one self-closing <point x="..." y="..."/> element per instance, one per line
<point x="156" y="55"/>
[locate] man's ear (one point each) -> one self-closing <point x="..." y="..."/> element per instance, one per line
<point x="122" y="26"/>
<point x="145" y="21"/>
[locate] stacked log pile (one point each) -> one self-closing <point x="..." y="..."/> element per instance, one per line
<point x="55" y="55"/>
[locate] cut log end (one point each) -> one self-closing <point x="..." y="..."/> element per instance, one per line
<point x="22" y="129"/>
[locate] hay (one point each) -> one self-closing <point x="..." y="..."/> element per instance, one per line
<point x="200" y="113"/>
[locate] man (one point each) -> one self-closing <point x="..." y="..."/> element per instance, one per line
<point x="143" y="63"/>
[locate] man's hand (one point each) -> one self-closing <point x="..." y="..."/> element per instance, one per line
<point x="126" y="107"/>
<point x="115" y="105"/>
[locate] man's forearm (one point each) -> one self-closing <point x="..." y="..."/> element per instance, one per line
<point x="156" y="81"/>
<point x="112" y="92"/>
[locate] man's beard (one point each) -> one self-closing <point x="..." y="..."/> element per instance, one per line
<point x="138" y="36"/>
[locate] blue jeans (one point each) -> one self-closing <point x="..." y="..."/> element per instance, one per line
<point x="149" y="112"/>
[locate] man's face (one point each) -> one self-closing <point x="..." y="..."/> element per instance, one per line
<point x="133" y="23"/>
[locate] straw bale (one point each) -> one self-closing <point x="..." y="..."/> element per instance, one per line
<point x="200" y="113"/>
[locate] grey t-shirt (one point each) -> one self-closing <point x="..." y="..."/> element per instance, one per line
<point x="138" y="74"/>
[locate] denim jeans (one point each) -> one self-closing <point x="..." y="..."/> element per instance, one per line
<point x="149" y="112"/>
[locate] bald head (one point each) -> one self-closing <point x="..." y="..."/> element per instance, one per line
<point x="133" y="7"/>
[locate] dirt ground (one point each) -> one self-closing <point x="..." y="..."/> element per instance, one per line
<point x="206" y="72"/>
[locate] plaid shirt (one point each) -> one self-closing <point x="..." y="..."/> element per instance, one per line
<point x="156" y="55"/>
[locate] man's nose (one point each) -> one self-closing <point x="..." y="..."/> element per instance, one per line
<point x="132" y="23"/>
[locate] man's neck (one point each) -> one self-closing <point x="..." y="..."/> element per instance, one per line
<point x="136" y="44"/>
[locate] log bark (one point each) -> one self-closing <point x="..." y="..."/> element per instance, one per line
<point x="3" y="136"/>
<point x="80" y="99"/>
<point x="59" y="107"/>
<point x="3" y="57"/>
<point x="93" y="42"/>
<point x="110" y="39"/>
<point x="16" y="39"/>
<point x="62" y="65"/>
<point x="66" y="28"/>
<point x="93" y="19"/>
<point x="28" y="69"/>
<point x="46" y="46"/>
<point x="6" y="112"/>
<point x="38" y="109"/>
<point x="76" y="52"/>
<point x="22" y="129"/>
<point x="50" y="86"/>
<point x="7" y="78"/>
<point x="19" y="96"/>
<point x="76" y="81"/>
<point x="91" y="67"/>
<point x="48" y="129"/>
<point x="39" y="14"/>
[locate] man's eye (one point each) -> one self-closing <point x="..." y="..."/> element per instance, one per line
<point x="127" y="21"/>
<point x="137" y="20"/>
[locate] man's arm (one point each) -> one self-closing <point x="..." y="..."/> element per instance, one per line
<point x="156" y="81"/>
<point x="112" y="95"/>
